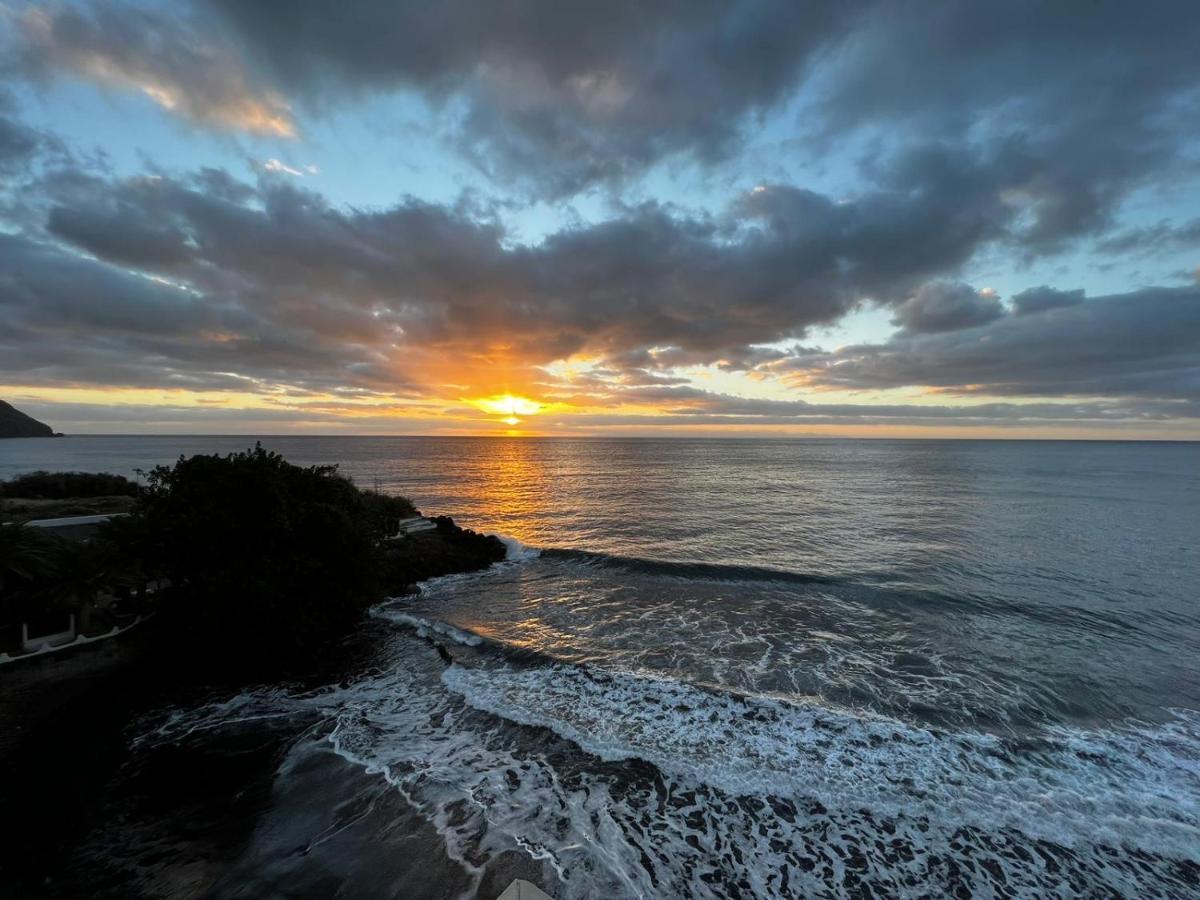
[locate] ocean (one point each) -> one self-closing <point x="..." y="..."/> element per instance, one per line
<point x="750" y="668"/>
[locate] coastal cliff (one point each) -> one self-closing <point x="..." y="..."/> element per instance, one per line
<point x="16" y="424"/>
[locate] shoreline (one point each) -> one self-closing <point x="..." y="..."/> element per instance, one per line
<point x="103" y="819"/>
<point x="229" y="813"/>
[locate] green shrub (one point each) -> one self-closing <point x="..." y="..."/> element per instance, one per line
<point x="267" y="561"/>
<point x="66" y="485"/>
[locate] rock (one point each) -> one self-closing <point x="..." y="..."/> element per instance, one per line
<point x="445" y="550"/>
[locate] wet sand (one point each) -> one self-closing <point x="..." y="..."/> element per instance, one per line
<point x="235" y="813"/>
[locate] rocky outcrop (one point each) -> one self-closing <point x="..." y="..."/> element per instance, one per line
<point x="445" y="550"/>
<point x="15" y="424"/>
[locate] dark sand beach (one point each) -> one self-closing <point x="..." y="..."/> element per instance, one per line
<point x="242" y="811"/>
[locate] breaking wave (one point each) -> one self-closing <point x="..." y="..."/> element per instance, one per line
<point x="631" y="784"/>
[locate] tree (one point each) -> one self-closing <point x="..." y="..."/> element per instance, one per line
<point x="267" y="561"/>
<point x="29" y="559"/>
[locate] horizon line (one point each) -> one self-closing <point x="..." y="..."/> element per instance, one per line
<point x="649" y="437"/>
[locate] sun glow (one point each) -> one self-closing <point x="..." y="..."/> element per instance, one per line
<point x="510" y="407"/>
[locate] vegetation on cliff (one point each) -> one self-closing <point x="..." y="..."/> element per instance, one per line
<point x="50" y="495"/>
<point x="266" y="560"/>
<point x="264" y="563"/>
<point x="42" y="485"/>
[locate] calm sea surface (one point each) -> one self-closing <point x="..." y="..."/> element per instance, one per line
<point x="716" y="668"/>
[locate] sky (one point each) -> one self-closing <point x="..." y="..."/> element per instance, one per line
<point x="542" y="217"/>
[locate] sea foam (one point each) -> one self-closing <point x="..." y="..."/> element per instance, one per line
<point x="636" y="785"/>
<point x="1138" y="787"/>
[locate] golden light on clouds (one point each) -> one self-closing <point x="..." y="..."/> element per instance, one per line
<point x="200" y="80"/>
<point x="236" y="110"/>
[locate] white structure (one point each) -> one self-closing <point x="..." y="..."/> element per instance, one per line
<point x="77" y="528"/>
<point x="412" y="526"/>
<point x="40" y="646"/>
<point x="72" y="521"/>
<point x="44" y="642"/>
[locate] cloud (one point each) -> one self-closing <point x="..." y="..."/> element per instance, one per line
<point x="1040" y="299"/>
<point x="44" y="287"/>
<point x="1162" y="236"/>
<point x="193" y="278"/>
<point x="1057" y="114"/>
<point x="278" y="167"/>
<point x="680" y="406"/>
<point x="18" y="144"/>
<point x="1065" y="106"/>
<point x="175" y="62"/>
<point x="562" y="96"/>
<point x="945" y="306"/>
<point x="137" y="243"/>
<point x="67" y="319"/>
<point x="695" y="289"/>
<point x="1077" y="103"/>
<point x="1144" y="344"/>
<point x="205" y="280"/>
<point x="683" y="408"/>
<point x="730" y="409"/>
<point x="21" y="145"/>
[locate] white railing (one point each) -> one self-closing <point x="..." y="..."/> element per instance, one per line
<point x="62" y="640"/>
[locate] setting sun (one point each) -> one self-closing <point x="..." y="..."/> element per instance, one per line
<point x="509" y="406"/>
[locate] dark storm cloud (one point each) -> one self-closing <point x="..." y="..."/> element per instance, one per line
<point x="696" y="290"/>
<point x="271" y="282"/>
<point x="1005" y="123"/>
<point x="1066" y="98"/>
<point x="1076" y="102"/>
<point x="1063" y="107"/>
<point x="41" y="286"/>
<point x="987" y="127"/>
<point x="136" y="243"/>
<point x="946" y="306"/>
<point x="1142" y="344"/>
<point x="1060" y="108"/>
<point x="943" y="63"/>
<point x="66" y="319"/>
<point x="1039" y="299"/>
<point x="562" y="94"/>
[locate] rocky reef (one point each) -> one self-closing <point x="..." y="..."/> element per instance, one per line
<point x="444" y="550"/>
